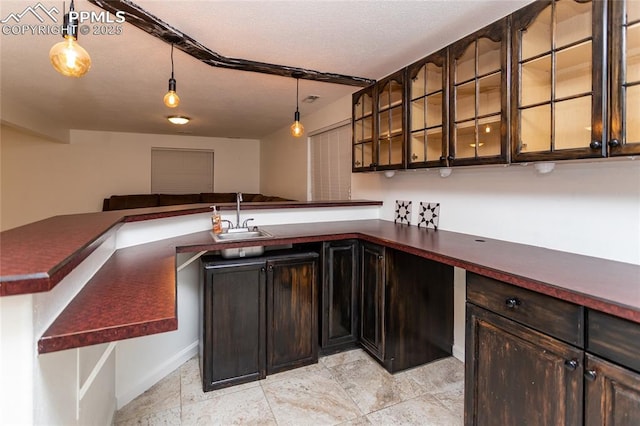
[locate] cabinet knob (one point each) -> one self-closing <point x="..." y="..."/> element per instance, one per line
<point x="571" y="364"/>
<point x="614" y="143"/>
<point x="262" y="269"/>
<point x="443" y="158"/>
<point x="380" y="257"/>
<point x="590" y="375"/>
<point x="270" y="267"/>
<point x="414" y="157"/>
<point x="357" y="164"/>
<point x="595" y="145"/>
<point x="512" y="303"/>
<point x="450" y="157"/>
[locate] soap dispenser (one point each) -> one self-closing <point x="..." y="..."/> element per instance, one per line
<point x="216" y="220"/>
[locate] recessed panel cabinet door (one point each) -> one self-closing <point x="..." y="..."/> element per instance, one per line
<point x="517" y="376"/>
<point x="292" y="311"/>
<point x="372" y="318"/>
<point x="340" y="294"/>
<point x="612" y="394"/>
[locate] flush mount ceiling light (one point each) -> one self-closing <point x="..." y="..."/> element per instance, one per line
<point x="297" y="129"/>
<point x="68" y="57"/>
<point x="171" y="99"/>
<point x="178" y="119"/>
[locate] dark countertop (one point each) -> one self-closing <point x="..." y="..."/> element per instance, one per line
<point x="37" y="256"/>
<point x="134" y="292"/>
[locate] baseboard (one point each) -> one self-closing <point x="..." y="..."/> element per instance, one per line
<point x="458" y="352"/>
<point x="157" y="374"/>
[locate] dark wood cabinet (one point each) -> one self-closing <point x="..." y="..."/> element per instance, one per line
<point x="533" y="359"/>
<point x="232" y="343"/>
<point x="407" y="308"/>
<point x="292" y="324"/>
<point x="478" y="85"/>
<point x="516" y="376"/>
<point x="363" y="156"/>
<point x="612" y="394"/>
<point x="258" y="317"/>
<point x="340" y="296"/>
<point x="428" y="111"/>
<point x="372" y="299"/>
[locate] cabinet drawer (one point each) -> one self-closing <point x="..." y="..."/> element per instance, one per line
<point x="552" y="316"/>
<point x="614" y="338"/>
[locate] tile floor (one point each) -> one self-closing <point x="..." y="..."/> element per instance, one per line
<point x="348" y="388"/>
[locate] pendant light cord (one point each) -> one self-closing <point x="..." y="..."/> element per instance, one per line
<point x="171" y="60"/>
<point x="297" y="95"/>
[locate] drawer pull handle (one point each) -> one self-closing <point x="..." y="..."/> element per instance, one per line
<point x="512" y="303"/>
<point x="571" y="364"/>
<point x="590" y="375"/>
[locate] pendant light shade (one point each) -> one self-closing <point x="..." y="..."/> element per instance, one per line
<point x="68" y="57"/>
<point x="171" y="99"/>
<point x="297" y="129"/>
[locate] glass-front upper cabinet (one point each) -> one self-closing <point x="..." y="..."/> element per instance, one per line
<point x="390" y="130"/>
<point x="624" y="130"/>
<point x="558" y="82"/>
<point x="363" y="156"/>
<point x="478" y="93"/>
<point x="428" y="112"/>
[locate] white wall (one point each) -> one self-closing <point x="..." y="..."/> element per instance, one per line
<point x="283" y="158"/>
<point x="40" y="178"/>
<point x="586" y="208"/>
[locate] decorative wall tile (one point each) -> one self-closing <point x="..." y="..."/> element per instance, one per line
<point x="403" y="212"/>
<point x="429" y="215"/>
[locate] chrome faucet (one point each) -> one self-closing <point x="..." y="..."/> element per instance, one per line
<point x="238" y="200"/>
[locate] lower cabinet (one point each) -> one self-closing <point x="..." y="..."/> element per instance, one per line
<point x="232" y="330"/>
<point x="292" y="312"/>
<point x="258" y="316"/>
<point x="339" y="299"/>
<point x="406" y="308"/>
<point x="536" y="360"/>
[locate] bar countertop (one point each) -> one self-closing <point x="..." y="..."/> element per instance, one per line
<point x="134" y="293"/>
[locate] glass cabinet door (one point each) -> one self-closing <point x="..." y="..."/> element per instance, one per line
<point x="624" y="131"/>
<point x="557" y="74"/>
<point x="363" y="156"/>
<point x="390" y="122"/>
<point x="478" y="111"/>
<point x="427" y="109"/>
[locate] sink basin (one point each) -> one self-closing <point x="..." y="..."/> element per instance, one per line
<point x="241" y="234"/>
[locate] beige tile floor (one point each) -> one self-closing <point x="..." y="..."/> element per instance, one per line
<point x="348" y="388"/>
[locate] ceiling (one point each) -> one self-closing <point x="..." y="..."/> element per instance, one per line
<point x="129" y="75"/>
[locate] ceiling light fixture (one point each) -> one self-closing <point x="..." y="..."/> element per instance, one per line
<point x="171" y="99"/>
<point x="178" y="119"/>
<point x="297" y="129"/>
<point x="68" y="57"/>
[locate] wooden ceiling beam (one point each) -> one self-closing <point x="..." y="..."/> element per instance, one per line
<point x="138" y="17"/>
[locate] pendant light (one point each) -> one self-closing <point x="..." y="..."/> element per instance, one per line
<point x="68" y="57"/>
<point x="171" y="99"/>
<point x="297" y="129"/>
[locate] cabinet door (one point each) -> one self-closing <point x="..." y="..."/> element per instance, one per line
<point x="624" y="138"/>
<point x="517" y="376"/>
<point x="292" y="311"/>
<point x="612" y="394"/>
<point x="339" y="294"/>
<point x="233" y="332"/>
<point x="364" y="155"/>
<point x="478" y="114"/>
<point x="372" y="300"/>
<point x="428" y="103"/>
<point x="558" y="66"/>
<point x="390" y="124"/>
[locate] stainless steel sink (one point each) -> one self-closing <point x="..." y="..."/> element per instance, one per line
<point x="242" y="234"/>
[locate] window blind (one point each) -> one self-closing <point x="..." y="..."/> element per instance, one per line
<point x="178" y="171"/>
<point x="330" y="159"/>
